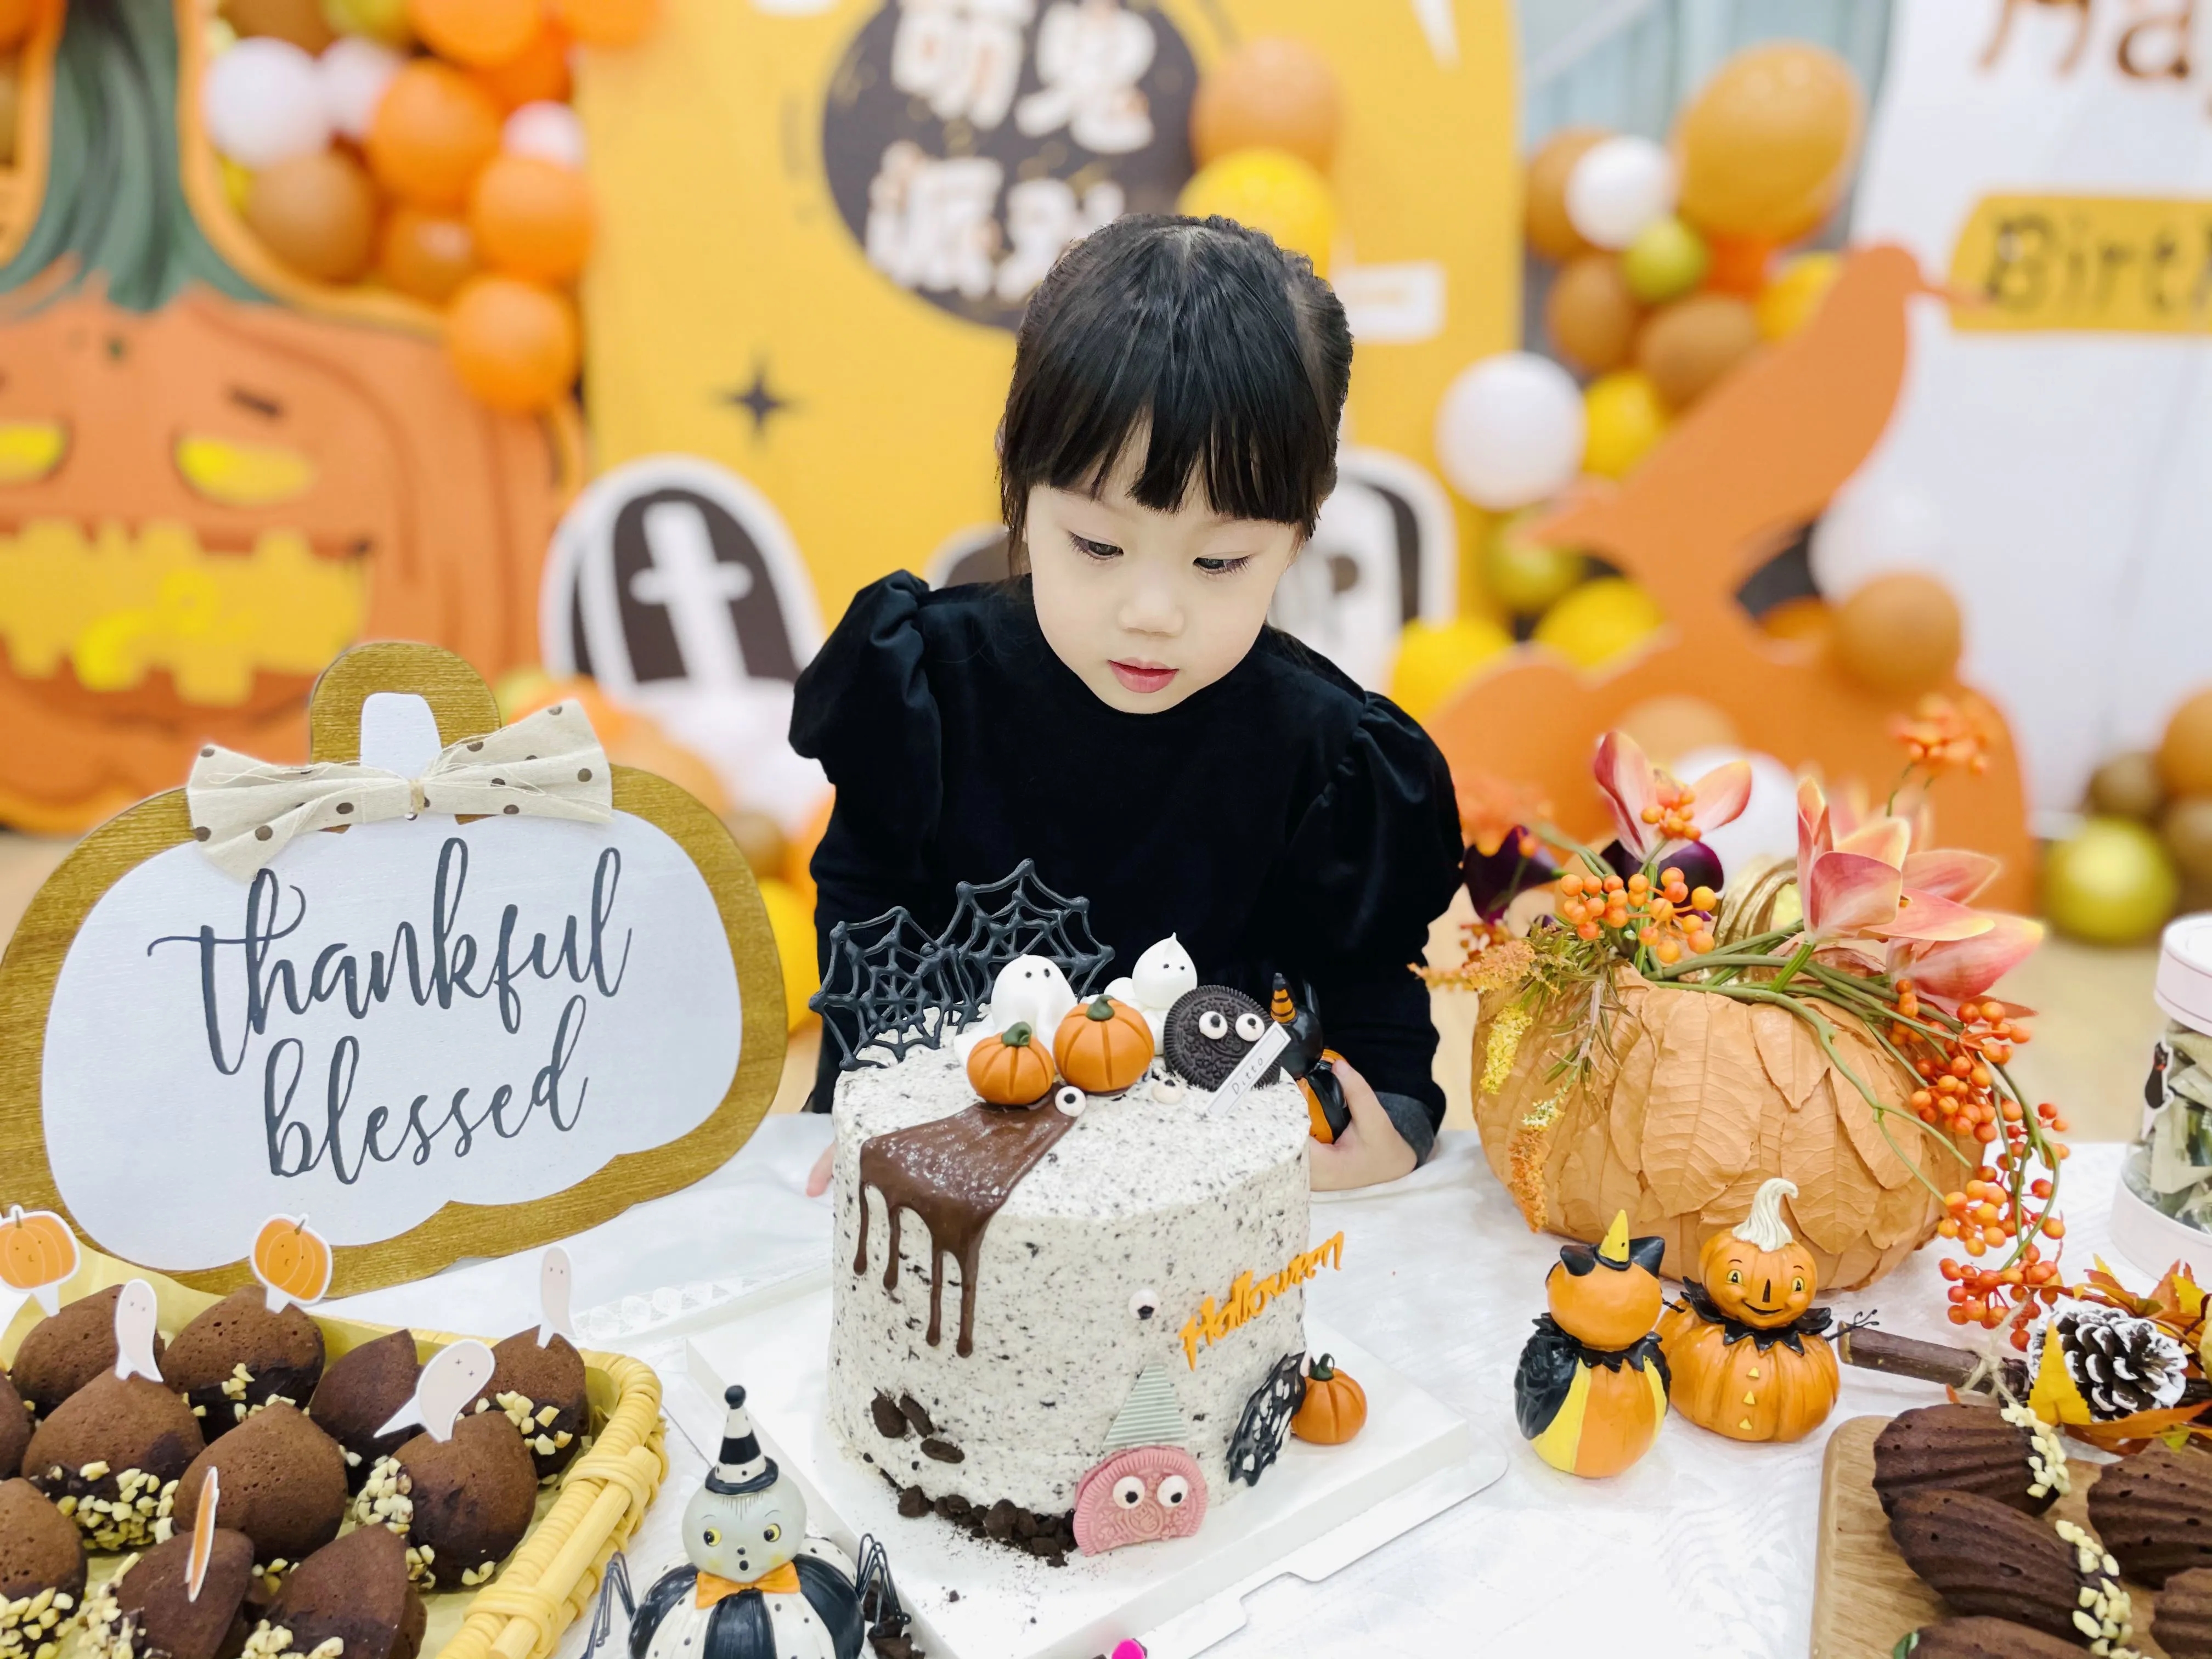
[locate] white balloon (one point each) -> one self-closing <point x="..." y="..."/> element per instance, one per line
<point x="1618" y="187"/>
<point x="355" y="71"/>
<point x="1767" y="828"/>
<point x="1509" y="430"/>
<point x="551" y="132"/>
<point x="263" y="103"/>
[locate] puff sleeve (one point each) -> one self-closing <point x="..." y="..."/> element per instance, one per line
<point x="1370" y="864"/>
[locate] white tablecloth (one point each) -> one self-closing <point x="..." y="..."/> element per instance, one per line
<point x="1704" y="1549"/>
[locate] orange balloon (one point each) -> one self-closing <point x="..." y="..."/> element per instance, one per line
<point x="1766" y="146"/>
<point x="1901" y="633"/>
<point x="2185" y="753"/>
<point x="531" y="218"/>
<point x="299" y="21"/>
<point x="1688" y="347"/>
<point x="16" y="17"/>
<point x="606" y="23"/>
<point x="1544" y="221"/>
<point x="477" y="32"/>
<point x="513" y="344"/>
<point x="428" y="255"/>
<point x="317" y="213"/>
<point x="1269" y="94"/>
<point x="1590" y="314"/>
<point x="539" y="75"/>
<point x="433" y="129"/>
<point x="1739" y="266"/>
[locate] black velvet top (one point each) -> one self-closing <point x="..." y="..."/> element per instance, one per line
<point x="1280" y="819"/>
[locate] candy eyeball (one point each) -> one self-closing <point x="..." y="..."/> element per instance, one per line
<point x="1145" y="1302"/>
<point x="1214" y="1024"/>
<point x="1167" y="1091"/>
<point x="1128" y="1491"/>
<point x="1173" y="1491"/>
<point x="1070" y="1099"/>
<point x="1248" y="1027"/>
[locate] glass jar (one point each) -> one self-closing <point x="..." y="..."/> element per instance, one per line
<point x="2164" y="1207"/>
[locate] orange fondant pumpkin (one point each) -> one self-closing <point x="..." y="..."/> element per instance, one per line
<point x="1010" y="1068"/>
<point x="1103" y="1045"/>
<point x="1335" y="1406"/>
<point x="1607" y="1296"/>
<point x="292" y="1259"/>
<point x="1739" y="1366"/>
<point x="36" y="1250"/>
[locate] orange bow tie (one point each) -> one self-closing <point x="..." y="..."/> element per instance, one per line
<point x="784" y="1581"/>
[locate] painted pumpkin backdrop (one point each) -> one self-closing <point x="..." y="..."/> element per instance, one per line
<point x="204" y="496"/>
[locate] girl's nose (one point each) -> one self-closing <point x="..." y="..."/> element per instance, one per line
<point x="1152" y="609"/>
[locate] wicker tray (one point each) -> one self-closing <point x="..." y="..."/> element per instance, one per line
<point x="550" y="1580"/>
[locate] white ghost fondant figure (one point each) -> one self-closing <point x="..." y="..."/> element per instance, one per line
<point x="1163" y="973"/>
<point x="1032" y="988"/>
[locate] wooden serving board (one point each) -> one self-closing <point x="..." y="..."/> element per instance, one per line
<point x="1864" y="1597"/>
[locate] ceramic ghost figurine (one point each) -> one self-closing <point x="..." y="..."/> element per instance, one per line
<point x="1162" y="973"/>
<point x="756" y="1586"/>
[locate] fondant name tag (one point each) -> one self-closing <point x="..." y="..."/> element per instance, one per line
<point x="1248" y="1297"/>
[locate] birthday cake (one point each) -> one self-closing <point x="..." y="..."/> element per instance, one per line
<point x="1075" y="1323"/>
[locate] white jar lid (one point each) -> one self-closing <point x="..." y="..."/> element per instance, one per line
<point x="2184" y="971"/>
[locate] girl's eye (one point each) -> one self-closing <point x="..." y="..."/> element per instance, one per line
<point x="1223" y="567"/>
<point x="1094" y="549"/>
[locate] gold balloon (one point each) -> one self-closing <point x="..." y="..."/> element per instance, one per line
<point x="1590" y="314"/>
<point x="2128" y="786"/>
<point x="1900" y="633"/>
<point x="1525" y="575"/>
<point x="299" y="21"/>
<point x="2184" y="755"/>
<point x="1544" y="219"/>
<point x="317" y="213"/>
<point x="1270" y="190"/>
<point x="2110" y="882"/>
<point x="1271" y="93"/>
<point x="1766" y="146"/>
<point x="2186" y="829"/>
<point x="1690" y="346"/>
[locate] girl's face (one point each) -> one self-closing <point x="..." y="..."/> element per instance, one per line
<point x="1146" y="606"/>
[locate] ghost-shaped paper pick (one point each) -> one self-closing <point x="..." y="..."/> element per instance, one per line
<point x="136" y="1312"/>
<point x="455" y="1375"/>
<point x="1162" y="973"/>
<point x="554" y="1290"/>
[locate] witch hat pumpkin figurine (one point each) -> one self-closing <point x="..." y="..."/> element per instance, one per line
<point x="1591" y="1388"/>
<point x="756" y="1586"/>
<point x="1748" y="1351"/>
<point x="1311" y="1064"/>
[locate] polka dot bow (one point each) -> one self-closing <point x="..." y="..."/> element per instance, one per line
<point x="547" y="765"/>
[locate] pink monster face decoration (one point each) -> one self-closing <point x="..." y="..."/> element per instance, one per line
<point x="1140" y="1496"/>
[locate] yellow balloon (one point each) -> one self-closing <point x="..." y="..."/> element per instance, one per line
<point x="1436" y="659"/>
<point x="1624" y="416"/>
<point x="793" y="925"/>
<point x="1787" y="303"/>
<point x="384" y="21"/>
<point x="1600" y="621"/>
<point x="2112" y="882"/>
<point x="1766" y="146"/>
<point x="1268" y="190"/>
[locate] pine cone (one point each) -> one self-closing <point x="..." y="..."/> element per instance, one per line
<point x="2121" y="1364"/>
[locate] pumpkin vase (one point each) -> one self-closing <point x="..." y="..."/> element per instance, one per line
<point x="1691" y="1102"/>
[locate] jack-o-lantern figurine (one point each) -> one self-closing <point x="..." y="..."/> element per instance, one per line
<point x="1591" y="1389"/>
<point x="1749" y="1350"/>
<point x="757" y="1587"/>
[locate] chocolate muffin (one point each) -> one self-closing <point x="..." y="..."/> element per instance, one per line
<point x="41" y="1572"/>
<point x="237" y="1356"/>
<point x="2009" y="1455"/>
<point x="110" y="1456"/>
<point x="360" y="1392"/>
<point x="15" y="1429"/>
<point x="61" y="1354"/>
<point x="284" y="1486"/>
<point x="1986" y="1638"/>
<point x="542" y="1390"/>
<point x="2183" y="1623"/>
<point x="146" y="1610"/>
<point x="355" y="1593"/>
<point x="461" y="1504"/>
<point x="1985" y="1560"/>
<point x="2154" y="1512"/>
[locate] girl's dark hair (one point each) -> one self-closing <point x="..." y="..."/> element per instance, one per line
<point x="1227" y="351"/>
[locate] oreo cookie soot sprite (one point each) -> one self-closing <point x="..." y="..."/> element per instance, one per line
<point x="1210" y="1030"/>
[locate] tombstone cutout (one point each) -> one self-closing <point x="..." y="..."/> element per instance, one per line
<point x="441" y="1036"/>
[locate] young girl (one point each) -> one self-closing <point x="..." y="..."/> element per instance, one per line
<point x="1120" y="713"/>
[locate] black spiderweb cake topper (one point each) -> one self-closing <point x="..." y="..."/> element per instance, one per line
<point x="898" y="989"/>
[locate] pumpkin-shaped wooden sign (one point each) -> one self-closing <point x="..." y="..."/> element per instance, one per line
<point x="452" y="988"/>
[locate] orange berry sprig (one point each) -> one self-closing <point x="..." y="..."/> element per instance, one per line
<point x="1940" y="734"/>
<point x="1666" y="920"/>
<point x="1671" y="814"/>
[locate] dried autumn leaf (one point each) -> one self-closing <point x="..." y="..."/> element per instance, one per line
<point x="1632" y="1093"/>
<point x="1701" y="1118"/>
<point x="1836" y="1192"/>
<point x="1793" y="1062"/>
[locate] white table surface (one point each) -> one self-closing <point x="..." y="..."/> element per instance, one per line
<point x="1704" y="1549"/>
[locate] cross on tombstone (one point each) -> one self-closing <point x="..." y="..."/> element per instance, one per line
<point x="694" y="587"/>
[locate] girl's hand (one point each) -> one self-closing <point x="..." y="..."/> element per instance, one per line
<point x="817" y="1178"/>
<point x="1369" y="1151"/>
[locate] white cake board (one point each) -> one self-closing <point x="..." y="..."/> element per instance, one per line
<point x="1318" y="1509"/>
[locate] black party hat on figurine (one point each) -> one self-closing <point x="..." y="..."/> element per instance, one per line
<point x="742" y="1465"/>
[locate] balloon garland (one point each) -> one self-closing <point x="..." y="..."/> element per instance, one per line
<point x="425" y="148"/>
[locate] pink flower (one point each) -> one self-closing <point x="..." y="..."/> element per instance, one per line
<point x="1858" y="896"/>
<point x="1948" y="973"/>
<point x="1653" y="813"/>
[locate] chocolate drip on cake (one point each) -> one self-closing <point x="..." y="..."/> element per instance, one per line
<point x="954" y="1173"/>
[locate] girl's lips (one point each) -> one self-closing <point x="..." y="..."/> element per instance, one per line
<point x="1142" y="676"/>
